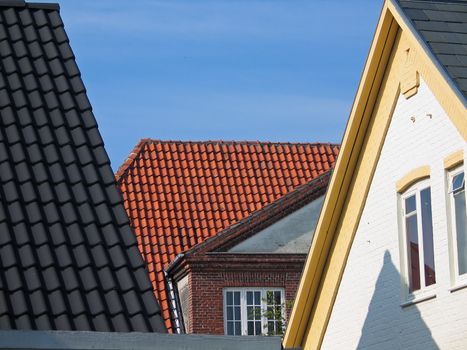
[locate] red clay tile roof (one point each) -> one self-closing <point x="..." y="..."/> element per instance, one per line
<point x="264" y="217"/>
<point x="178" y="194"/>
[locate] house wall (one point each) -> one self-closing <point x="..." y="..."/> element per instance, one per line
<point x="206" y="290"/>
<point x="367" y="312"/>
<point x="291" y="234"/>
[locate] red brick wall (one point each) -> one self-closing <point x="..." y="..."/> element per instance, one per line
<point x="206" y="291"/>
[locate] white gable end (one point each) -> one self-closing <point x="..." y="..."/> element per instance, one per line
<point x="367" y="312"/>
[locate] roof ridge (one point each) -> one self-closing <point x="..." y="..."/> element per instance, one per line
<point x="240" y="142"/>
<point x="36" y="5"/>
<point x="122" y="170"/>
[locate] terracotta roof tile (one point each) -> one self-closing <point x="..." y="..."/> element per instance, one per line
<point x="202" y="188"/>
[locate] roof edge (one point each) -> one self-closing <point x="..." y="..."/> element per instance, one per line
<point x="34" y="5"/>
<point x="299" y="320"/>
<point x="273" y="212"/>
<point x="130" y="159"/>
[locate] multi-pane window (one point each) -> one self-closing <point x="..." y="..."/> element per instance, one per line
<point x="253" y="312"/>
<point x="274" y="312"/>
<point x="258" y="311"/>
<point x="418" y="231"/>
<point x="458" y="220"/>
<point x="232" y="313"/>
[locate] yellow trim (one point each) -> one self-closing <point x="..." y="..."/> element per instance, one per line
<point x="412" y="177"/>
<point x="454" y="159"/>
<point x="369" y="120"/>
<point x="430" y="72"/>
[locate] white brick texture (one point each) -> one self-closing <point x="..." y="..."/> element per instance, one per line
<point x="367" y="313"/>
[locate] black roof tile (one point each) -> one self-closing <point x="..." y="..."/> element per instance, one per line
<point x="95" y="302"/>
<point x="51" y="279"/>
<point x="92" y="235"/>
<point x="60" y="211"/>
<point x="76" y="301"/>
<point x="38" y="303"/>
<point x="45" y="256"/>
<point x="70" y="280"/>
<point x="12" y="277"/>
<point x="21" y="233"/>
<point x="62" y="322"/>
<point x="43" y="322"/>
<point x="57" y="302"/>
<point x="443" y="26"/>
<point x="26" y="256"/>
<point x="88" y="279"/>
<point x="120" y="323"/>
<point x="107" y="279"/>
<point x="81" y="322"/>
<point x="102" y="323"/>
<point x="114" y="302"/>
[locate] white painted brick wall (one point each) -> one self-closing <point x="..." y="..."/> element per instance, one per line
<point x="367" y="312"/>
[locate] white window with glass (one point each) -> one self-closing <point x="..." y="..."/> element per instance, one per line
<point x="417" y="240"/>
<point x="457" y="213"/>
<point x="254" y="311"/>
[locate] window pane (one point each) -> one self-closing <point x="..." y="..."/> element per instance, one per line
<point x="271" y="329"/>
<point x="230" y="328"/>
<point x="269" y="297"/>
<point x="458" y="182"/>
<point x="249" y="298"/>
<point x="410" y="204"/>
<point x="229" y="298"/>
<point x="238" y="330"/>
<point x="229" y="313"/>
<point x="251" y="328"/>
<point x="427" y="227"/>
<point x="237" y="298"/>
<point x="461" y="231"/>
<point x="277" y="297"/>
<point x="258" y="328"/>
<point x="413" y="254"/>
<point x="237" y="312"/>
<point x="257" y="298"/>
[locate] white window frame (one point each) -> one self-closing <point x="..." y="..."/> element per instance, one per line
<point x="425" y="292"/>
<point x="243" y="306"/>
<point x="457" y="279"/>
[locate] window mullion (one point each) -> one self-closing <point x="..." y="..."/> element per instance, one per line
<point x="243" y="313"/>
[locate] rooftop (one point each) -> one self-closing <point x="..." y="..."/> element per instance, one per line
<point x="180" y="193"/>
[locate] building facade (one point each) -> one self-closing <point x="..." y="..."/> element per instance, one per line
<point x="387" y="266"/>
<point x="189" y="201"/>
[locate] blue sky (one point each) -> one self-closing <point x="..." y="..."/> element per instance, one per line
<point x="269" y="70"/>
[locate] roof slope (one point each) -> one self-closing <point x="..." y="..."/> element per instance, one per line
<point x="178" y="194"/>
<point x="266" y="216"/>
<point x="68" y="258"/>
<point x="443" y="25"/>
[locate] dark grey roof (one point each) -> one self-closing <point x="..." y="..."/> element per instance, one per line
<point x="443" y="26"/>
<point x="68" y="258"/>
